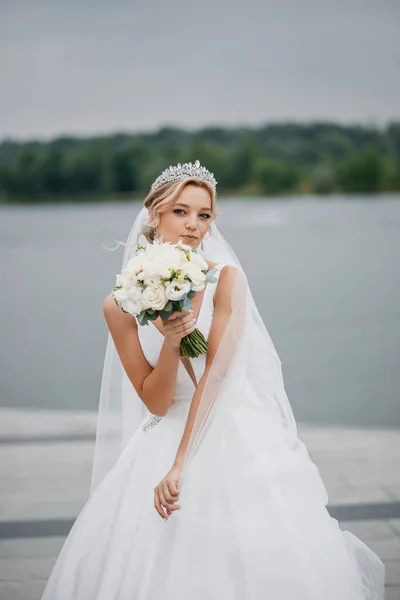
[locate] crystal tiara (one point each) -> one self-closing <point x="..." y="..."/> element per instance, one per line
<point x="173" y="173"/>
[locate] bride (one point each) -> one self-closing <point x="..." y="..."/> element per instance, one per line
<point x="201" y="488"/>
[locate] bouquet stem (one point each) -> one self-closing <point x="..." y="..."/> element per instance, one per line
<point x="194" y="344"/>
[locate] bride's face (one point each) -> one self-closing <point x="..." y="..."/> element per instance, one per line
<point x="188" y="219"/>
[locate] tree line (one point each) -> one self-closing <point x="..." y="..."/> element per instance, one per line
<point x="275" y="159"/>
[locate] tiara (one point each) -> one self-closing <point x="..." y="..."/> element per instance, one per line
<point x="174" y="173"/>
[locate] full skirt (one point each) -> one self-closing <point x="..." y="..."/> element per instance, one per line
<point x="253" y="524"/>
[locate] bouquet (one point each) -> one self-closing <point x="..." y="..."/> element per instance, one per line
<point x="162" y="278"/>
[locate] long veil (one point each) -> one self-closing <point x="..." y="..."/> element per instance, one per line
<point x="244" y="440"/>
<point x="246" y="366"/>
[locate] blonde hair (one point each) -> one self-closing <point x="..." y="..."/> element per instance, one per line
<point x="166" y="195"/>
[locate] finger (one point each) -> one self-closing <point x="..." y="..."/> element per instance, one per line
<point x="173" y="488"/>
<point x="177" y="325"/>
<point x="171" y="500"/>
<point x="177" y="315"/>
<point x="168" y="497"/>
<point x="186" y="319"/>
<point x="167" y="493"/>
<point x="163" y="500"/>
<point x="186" y="329"/>
<point x="157" y="504"/>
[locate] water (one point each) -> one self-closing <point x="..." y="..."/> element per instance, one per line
<point x="324" y="273"/>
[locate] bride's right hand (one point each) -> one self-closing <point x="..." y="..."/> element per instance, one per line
<point x="177" y="326"/>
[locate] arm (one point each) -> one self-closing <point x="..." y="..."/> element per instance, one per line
<point x="222" y="312"/>
<point x="155" y="386"/>
<point x="167" y="492"/>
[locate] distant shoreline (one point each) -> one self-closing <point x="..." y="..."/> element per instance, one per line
<point x="239" y="196"/>
<point x="285" y="159"/>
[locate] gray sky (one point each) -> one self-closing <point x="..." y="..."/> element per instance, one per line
<point x="92" y="66"/>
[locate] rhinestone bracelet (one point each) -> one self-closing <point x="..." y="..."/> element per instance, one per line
<point x="150" y="422"/>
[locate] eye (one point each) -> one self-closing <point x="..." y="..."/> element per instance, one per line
<point x="206" y="215"/>
<point x="178" y="209"/>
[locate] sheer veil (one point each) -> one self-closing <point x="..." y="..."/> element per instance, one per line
<point x="243" y="447"/>
<point x="246" y="371"/>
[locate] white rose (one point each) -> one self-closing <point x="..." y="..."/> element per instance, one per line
<point x="153" y="296"/>
<point x="176" y="290"/>
<point x="196" y="276"/>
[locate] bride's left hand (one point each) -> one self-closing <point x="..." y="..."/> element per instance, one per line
<point x="166" y="493"/>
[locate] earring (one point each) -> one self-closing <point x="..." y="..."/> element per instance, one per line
<point x="154" y="229"/>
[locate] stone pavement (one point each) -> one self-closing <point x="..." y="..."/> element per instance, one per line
<point x="45" y="465"/>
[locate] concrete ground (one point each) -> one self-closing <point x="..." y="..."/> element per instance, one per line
<point x="45" y="466"/>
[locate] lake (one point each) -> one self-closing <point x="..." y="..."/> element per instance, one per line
<point x="324" y="273"/>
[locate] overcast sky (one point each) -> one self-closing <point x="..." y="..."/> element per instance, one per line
<point x="92" y="66"/>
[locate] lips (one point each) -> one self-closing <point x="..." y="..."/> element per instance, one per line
<point x="189" y="237"/>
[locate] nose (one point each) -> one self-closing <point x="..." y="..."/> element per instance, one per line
<point x="191" y="222"/>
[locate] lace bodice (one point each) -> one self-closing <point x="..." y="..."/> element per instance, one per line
<point x="151" y="340"/>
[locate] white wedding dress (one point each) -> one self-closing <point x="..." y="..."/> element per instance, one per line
<point x="264" y="534"/>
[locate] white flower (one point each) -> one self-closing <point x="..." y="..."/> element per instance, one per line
<point x="167" y="271"/>
<point x="199" y="261"/>
<point x="157" y="252"/>
<point x="196" y="276"/>
<point x="176" y="290"/>
<point x="136" y="263"/>
<point x="126" y="278"/>
<point x="184" y="246"/>
<point x="153" y="296"/>
<point x="129" y="299"/>
<point x="150" y="274"/>
<point x="152" y="280"/>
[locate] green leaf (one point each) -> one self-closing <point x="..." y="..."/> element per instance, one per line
<point x="165" y="314"/>
<point x="142" y="317"/>
<point x="210" y="275"/>
<point x="153" y="316"/>
<point x="187" y="304"/>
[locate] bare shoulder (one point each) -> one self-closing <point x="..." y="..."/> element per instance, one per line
<point x="225" y="284"/>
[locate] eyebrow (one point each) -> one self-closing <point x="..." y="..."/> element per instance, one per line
<point x="186" y="206"/>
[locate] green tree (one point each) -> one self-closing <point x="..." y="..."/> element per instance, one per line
<point x="324" y="179"/>
<point x="28" y="173"/>
<point x="362" y="172"/>
<point x="274" y="177"/>
<point x="52" y="172"/>
<point x="242" y="160"/>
